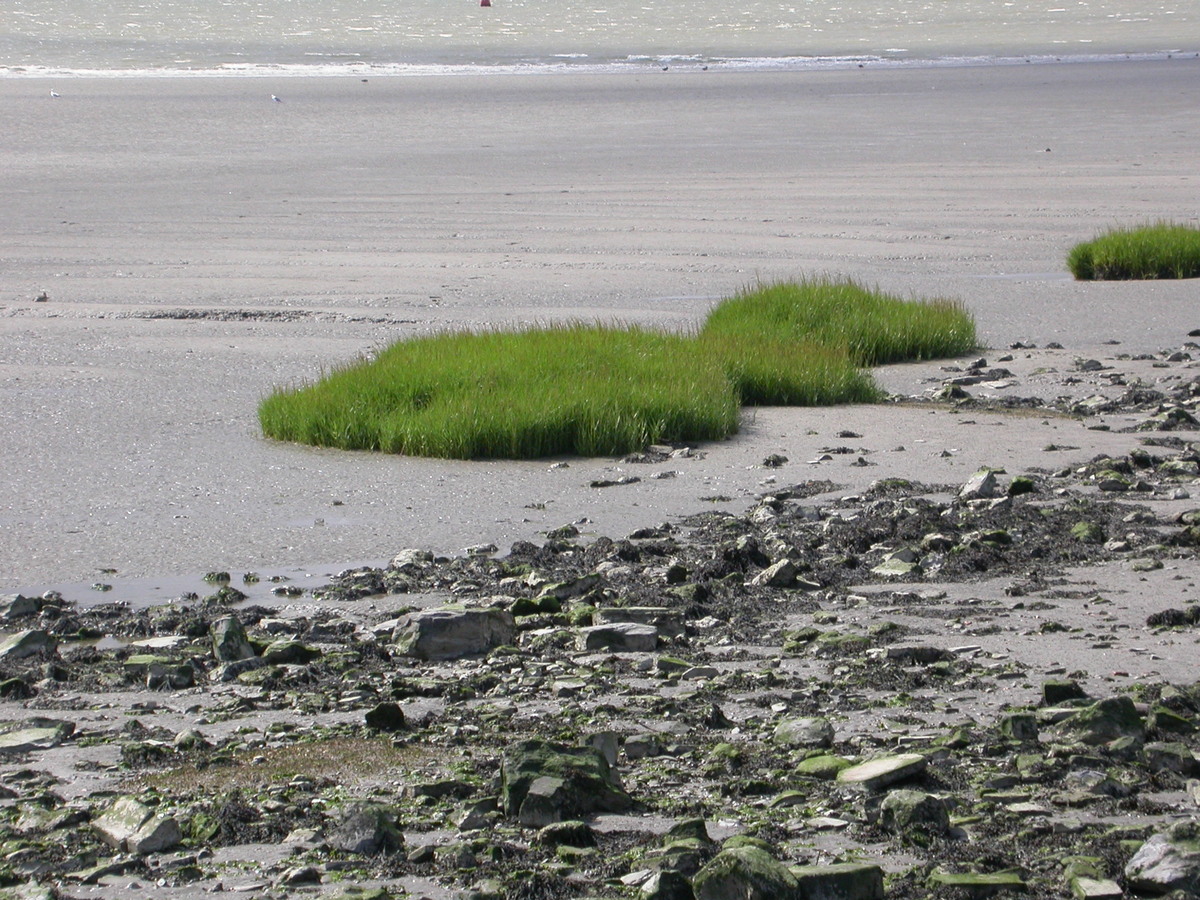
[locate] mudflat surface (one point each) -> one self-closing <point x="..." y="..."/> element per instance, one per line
<point x="199" y="244"/>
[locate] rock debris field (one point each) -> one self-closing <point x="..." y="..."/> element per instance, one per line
<point x="901" y="690"/>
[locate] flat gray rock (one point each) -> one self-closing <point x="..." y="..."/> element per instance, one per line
<point x="628" y="637"/>
<point x="876" y="774"/>
<point x="453" y="633"/>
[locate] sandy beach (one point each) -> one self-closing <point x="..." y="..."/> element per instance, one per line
<point x="199" y="244"/>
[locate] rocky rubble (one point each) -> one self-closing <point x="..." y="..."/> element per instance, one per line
<point x="912" y="690"/>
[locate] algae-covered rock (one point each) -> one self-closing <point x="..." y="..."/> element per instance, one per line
<point x="1104" y="721"/>
<point x="573" y="833"/>
<point x="31" y="890"/>
<point x="844" y="881"/>
<point x="542" y="782"/>
<point x="1171" y="756"/>
<point x="1168" y="861"/>
<point x="1087" y="533"/>
<point x="668" y="884"/>
<point x="1057" y="691"/>
<point x="288" y="652"/>
<point x="229" y="640"/>
<point x="979" y="884"/>
<point x="826" y="766"/>
<point x="915" y="815"/>
<point x="1085" y="888"/>
<point x="132" y="826"/>
<point x="745" y="873"/>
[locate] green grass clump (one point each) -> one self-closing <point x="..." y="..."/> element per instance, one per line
<point x="586" y="390"/>
<point x="771" y="371"/>
<point x="596" y="390"/>
<point x="874" y="328"/>
<point x="1160" y="250"/>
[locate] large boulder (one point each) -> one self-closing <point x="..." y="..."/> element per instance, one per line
<point x="451" y="633"/>
<point x="1168" y="861"/>
<point x="542" y="783"/>
<point x="745" y="873"/>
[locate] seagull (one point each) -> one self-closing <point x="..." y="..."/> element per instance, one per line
<point x="53" y="93"/>
<point x="276" y="99"/>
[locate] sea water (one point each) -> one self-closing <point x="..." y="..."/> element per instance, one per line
<point x="413" y="36"/>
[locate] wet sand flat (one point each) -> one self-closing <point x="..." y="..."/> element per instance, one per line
<point x="199" y="244"/>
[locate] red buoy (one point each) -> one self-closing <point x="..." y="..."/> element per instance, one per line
<point x="485" y="2"/>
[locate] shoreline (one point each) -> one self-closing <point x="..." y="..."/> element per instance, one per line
<point x="691" y="64"/>
<point x="233" y="244"/>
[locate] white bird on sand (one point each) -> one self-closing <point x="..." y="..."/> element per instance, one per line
<point x="276" y="99"/>
<point x="53" y="93"/>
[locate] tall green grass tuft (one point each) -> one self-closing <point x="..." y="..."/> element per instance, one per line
<point x="1158" y="250"/>
<point x="596" y="390"/>
<point x="874" y="328"/>
<point x="586" y="390"/>
<point x="781" y="372"/>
